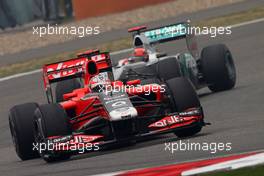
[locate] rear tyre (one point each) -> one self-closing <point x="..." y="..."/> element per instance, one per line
<point x="21" y="127"/>
<point x="66" y="86"/>
<point x="150" y="81"/>
<point x="218" y="67"/>
<point x="168" y="68"/>
<point x="51" y="120"/>
<point x="183" y="96"/>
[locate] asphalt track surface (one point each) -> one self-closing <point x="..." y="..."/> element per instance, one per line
<point x="88" y="42"/>
<point x="236" y="117"/>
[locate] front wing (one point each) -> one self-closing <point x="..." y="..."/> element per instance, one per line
<point x="145" y="126"/>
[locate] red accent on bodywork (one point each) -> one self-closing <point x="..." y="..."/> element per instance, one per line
<point x="139" y="52"/>
<point x="133" y="82"/>
<point x="63" y="69"/>
<point x="170" y="122"/>
<point x="102" y="60"/>
<point x="78" y="93"/>
<point x="137" y="28"/>
<point x="78" y="140"/>
<point x="117" y="84"/>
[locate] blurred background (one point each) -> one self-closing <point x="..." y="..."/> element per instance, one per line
<point x="17" y="12"/>
<point x="112" y="17"/>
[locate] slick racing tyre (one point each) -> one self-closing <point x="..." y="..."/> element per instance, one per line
<point x="218" y="67"/>
<point x="66" y="86"/>
<point x="183" y="96"/>
<point x="182" y="93"/>
<point x="21" y="127"/>
<point x="51" y="120"/>
<point x="168" y="68"/>
<point x="150" y="81"/>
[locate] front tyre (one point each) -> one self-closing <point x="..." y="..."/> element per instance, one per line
<point x="183" y="96"/>
<point x="218" y="67"/>
<point x="51" y="120"/>
<point x="21" y="127"/>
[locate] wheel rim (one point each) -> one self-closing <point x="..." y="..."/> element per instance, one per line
<point x="38" y="132"/>
<point x="39" y="136"/>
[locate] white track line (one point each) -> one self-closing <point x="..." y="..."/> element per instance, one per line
<point x="122" y="51"/>
<point x="39" y="70"/>
<point x="20" y="75"/>
<point x="232" y="164"/>
<point x="247" y="23"/>
<point x="187" y="161"/>
<point x="119" y="52"/>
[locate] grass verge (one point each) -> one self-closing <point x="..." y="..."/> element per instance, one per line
<point x="123" y="43"/>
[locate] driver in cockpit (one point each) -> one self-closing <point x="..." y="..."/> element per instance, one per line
<point x="139" y="54"/>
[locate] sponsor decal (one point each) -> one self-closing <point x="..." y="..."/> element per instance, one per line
<point x="167" y="121"/>
<point x="65" y="68"/>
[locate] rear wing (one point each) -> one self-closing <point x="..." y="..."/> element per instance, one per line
<point x="74" y="68"/>
<point x="64" y="70"/>
<point x="145" y="37"/>
<point x="166" y="33"/>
